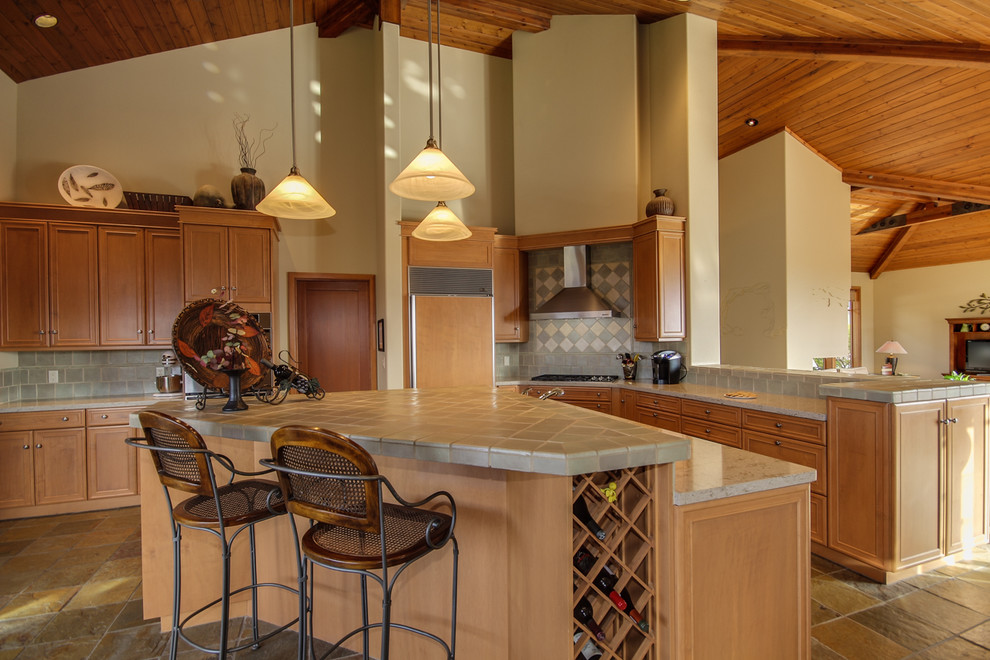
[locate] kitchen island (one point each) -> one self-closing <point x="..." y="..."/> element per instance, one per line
<point x="713" y="548"/>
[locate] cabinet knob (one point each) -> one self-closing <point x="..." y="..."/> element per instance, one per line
<point x="26" y="447"/>
<point x="151" y="332"/>
<point x="41" y="332"/>
<point x="655" y="415"/>
<point x="53" y="332"/>
<point x="233" y="288"/>
<point x="65" y="419"/>
<point x="655" y="402"/>
<point x="38" y="446"/>
<point x="777" y="442"/>
<point x="103" y="416"/>
<point x="598" y="394"/>
<point x="140" y="332"/>
<point x="599" y="405"/>
<point x="953" y="420"/>
<point x="708" y="412"/>
<point x="708" y="430"/>
<point x="779" y="425"/>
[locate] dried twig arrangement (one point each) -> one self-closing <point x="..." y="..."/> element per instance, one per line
<point x="248" y="156"/>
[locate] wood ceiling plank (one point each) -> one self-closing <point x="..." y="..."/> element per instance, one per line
<point x="511" y="15"/>
<point x="918" y="53"/>
<point x="916" y="185"/>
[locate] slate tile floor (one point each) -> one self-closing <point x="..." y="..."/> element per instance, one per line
<point x="70" y="589"/>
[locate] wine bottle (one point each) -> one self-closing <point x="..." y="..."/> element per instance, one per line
<point x="633" y="612"/>
<point x="604" y="581"/>
<point x="585" y="614"/>
<point x="589" y="651"/>
<point x="582" y="514"/>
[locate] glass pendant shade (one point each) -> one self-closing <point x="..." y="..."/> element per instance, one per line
<point x="441" y="225"/>
<point x="295" y="199"/>
<point x="431" y="176"/>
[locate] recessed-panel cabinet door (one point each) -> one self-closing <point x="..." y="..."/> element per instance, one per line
<point x="250" y="265"/>
<point x="59" y="465"/>
<point x="163" y="264"/>
<point x="16" y="469"/>
<point x="73" y="285"/>
<point x="917" y="472"/>
<point x="121" y="286"/>
<point x="23" y="284"/>
<point x="112" y="464"/>
<point x="966" y="473"/>
<point x="204" y="258"/>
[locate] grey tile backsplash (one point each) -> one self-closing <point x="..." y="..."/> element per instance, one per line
<point x="80" y="374"/>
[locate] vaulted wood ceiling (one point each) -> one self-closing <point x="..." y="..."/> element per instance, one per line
<point x="896" y="94"/>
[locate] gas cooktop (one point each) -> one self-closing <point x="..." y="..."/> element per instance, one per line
<point x="576" y="377"/>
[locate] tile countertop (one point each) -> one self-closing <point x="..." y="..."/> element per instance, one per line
<point x="500" y="429"/>
<point x="797" y="406"/>
<point x="122" y="401"/>
<point x="907" y="390"/>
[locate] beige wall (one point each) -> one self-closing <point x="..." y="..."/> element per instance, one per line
<point x="867" y="335"/>
<point x="681" y="141"/>
<point x="785" y="255"/>
<point x="818" y="257"/>
<point x="911" y="306"/>
<point x="575" y="124"/>
<point x="8" y="135"/>
<point x="752" y="267"/>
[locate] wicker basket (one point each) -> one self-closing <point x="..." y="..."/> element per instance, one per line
<point x="155" y="201"/>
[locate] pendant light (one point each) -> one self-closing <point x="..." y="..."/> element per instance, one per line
<point x="294" y="198"/>
<point x="431" y="175"/>
<point x="441" y="225"/>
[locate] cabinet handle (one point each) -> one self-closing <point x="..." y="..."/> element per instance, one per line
<point x="953" y="420"/>
<point x="41" y="332"/>
<point x="151" y="332"/>
<point x="103" y="416"/>
<point x="598" y="394"/>
<point x="779" y="425"/>
<point x="949" y="420"/>
<point x="140" y="331"/>
<point x="65" y="419"/>
<point x="655" y="402"/>
<point x="38" y="446"/>
<point x="654" y="414"/>
<point x="777" y="442"/>
<point x="233" y="288"/>
<point x="53" y="332"/>
<point x="708" y="412"/>
<point x="599" y="405"/>
<point x="26" y="447"/>
<point x="708" y="430"/>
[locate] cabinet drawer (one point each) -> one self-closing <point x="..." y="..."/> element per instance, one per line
<point x="50" y="419"/>
<point x="574" y="394"/>
<point x="463" y="254"/>
<point x="819" y="529"/>
<point x="787" y="425"/>
<point x="662" y="420"/>
<point x="667" y="404"/>
<point x="725" y="435"/>
<point x="792" y="451"/>
<point x="600" y="406"/>
<point x="711" y="412"/>
<point x="109" y="416"/>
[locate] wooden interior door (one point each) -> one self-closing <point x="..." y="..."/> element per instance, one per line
<point x="331" y="329"/>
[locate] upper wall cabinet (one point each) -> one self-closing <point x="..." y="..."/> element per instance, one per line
<point x="229" y="254"/>
<point x="49" y="285"/>
<point x="75" y="277"/>
<point x="658" y="279"/>
<point x="140" y="285"/>
<point x="510" y="280"/>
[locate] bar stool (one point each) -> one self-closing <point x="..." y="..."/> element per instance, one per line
<point x="183" y="462"/>
<point x="335" y="483"/>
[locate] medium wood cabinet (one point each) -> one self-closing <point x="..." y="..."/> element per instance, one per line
<point x="44" y="458"/>
<point x="907" y="482"/>
<point x="49" y="285"/>
<point x="592" y="398"/>
<point x="656" y="410"/>
<point x="140" y="285"/>
<point x="510" y="283"/>
<point x="230" y="255"/>
<point x="711" y="421"/>
<point x="112" y="469"/>
<point x="658" y="279"/>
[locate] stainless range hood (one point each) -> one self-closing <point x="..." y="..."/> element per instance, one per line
<point x="576" y="300"/>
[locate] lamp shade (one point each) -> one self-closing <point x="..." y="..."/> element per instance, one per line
<point x="441" y="225"/>
<point x="295" y="199"/>
<point x="431" y="176"/>
<point x="892" y="347"/>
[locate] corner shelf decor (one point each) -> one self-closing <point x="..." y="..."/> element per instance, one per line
<point x="626" y="513"/>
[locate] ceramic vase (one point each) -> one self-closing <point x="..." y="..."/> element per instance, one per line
<point x="246" y="190"/>
<point x="660" y="204"/>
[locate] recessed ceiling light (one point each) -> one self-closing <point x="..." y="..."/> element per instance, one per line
<point x="752" y="121"/>
<point x="45" y="21"/>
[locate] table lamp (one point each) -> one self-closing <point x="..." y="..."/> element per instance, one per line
<point x="892" y="348"/>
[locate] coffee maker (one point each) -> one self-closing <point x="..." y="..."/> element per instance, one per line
<point x="667" y="369"/>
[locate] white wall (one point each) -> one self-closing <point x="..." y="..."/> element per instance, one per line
<point x="785" y="255"/>
<point x="575" y="124"/>
<point x="8" y="135"/>
<point x="911" y="306"/>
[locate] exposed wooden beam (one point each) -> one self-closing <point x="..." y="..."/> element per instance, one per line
<point x="922" y="53"/>
<point x="928" y="213"/>
<point x="888" y="255"/>
<point x="390" y="11"/>
<point x="962" y="192"/>
<point x="345" y="14"/>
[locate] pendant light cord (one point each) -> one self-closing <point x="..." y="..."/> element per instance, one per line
<point x="429" y="58"/>
<point x="292" y="84"/>
<point x="439" y="86"/>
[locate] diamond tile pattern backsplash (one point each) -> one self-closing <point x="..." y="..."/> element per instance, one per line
<point x="578" y="346"/>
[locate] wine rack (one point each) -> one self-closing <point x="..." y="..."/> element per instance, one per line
<point x="629" y="550"/>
